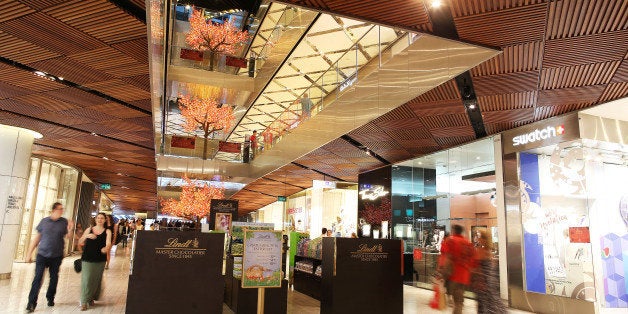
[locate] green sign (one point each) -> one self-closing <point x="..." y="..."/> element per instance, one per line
<point x="261" y="263"/>
<point x="105" y="186"/>
<point x="281" y="198"/>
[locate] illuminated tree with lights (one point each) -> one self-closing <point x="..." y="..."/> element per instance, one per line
<point x="205" y="35"/>
<point x="194" y="201"/>
<point x="205" y="114"/>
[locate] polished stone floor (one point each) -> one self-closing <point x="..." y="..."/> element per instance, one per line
<point x="14" y="292"/>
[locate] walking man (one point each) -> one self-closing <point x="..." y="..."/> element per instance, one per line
<point x="458" y="253"/>
<point x="50" y="233"/>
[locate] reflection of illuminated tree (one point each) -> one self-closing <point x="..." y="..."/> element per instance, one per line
<point x="205" y="35"/>
<point x="375" y="214"/>
<point x="194" y="201"/>
<point x="156" y="30"/>
<point x="206" y="114"/>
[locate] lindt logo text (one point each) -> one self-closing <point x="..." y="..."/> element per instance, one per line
<point x="538" y="135"/>
<point x="174" y="243"/>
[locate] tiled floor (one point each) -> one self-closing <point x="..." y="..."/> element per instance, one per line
<point x="14" y="292"/>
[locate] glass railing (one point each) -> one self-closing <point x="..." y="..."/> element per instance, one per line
<point x="326" y="89"/>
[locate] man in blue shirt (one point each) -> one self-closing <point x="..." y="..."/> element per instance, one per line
<point x="306" y="106"/>
<point x="50" y="233"/>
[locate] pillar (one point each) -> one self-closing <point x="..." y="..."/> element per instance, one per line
<point x="16" y="144"/>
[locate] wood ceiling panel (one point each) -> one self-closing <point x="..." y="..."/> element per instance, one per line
<point x="507" y="101"/>
<point x="22" y="51"/>
<point x="614" y="91"/>
<point x="99" y="18"/>
<point x="70" y="70"/>
<point x="50" y="33"/>
<point x="437" y="108"/>
<point x="406" y="13"/>
<point x="136" y="49"/>
<point x="477" y="7"/>
<point x="570" y="18"/>
<point x="504" y="28"/>
<point x="8" y="91"/>
<point x="116" y="110"/>
<point x="46" y="102"/>
<point x="445" y="91"/>
<point x="444" y="121"/>
<point x="492" y="117"/>
<point x="28" y="80"/>
<point x="516" y="58"/>
<point x="621" y="74"/>
<point x="584" y="94"/>
<point x="453" y="140"/>
<point x="463" y="130"/>
<point x="506" y="83"/>
<point x="10" y="9"/>
<point x="544" y="112"/>
<point x="42" y="4"/>
<point x="588" y="74"/>
<point x="578" y="50"/>
<point x="76" y="96"/>
<point x="120" y="90"/>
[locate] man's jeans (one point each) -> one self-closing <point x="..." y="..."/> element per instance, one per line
<point x="41" y="263"/>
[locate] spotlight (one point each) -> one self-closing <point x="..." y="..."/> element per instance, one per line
<point x="472" y="106"/>
<point x="105" y="158"/>
<point x="436" y="3"/>
<point x="40" y="73"/>
<point x="187" y="6"/>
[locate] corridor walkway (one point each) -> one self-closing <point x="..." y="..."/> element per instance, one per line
<point x="14" y="292"/>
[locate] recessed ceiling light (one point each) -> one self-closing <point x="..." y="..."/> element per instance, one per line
<point x="120" y="174"/>
<point x="187" y="7"/>
<point x="40" y="73"/>
<point x="94" y="134"/>
<point x="105" y="158"/>
<point x="436" y="3"/>
<point x="477" y="158"/>
<point x="60" y="78"/>
<point x="472" y="106"/>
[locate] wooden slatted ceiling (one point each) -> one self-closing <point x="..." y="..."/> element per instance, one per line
<point x="558" y="56"/>
<point x="92" y="43"/>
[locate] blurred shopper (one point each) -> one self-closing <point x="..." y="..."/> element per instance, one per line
<point x="306" y="106"/>
<point x="113" y="227"/>
<point x="78" y="233"/>
<point x="97" y="241"/>
<point x="49" y="241"/>
<point x="485" y="281"/>
<point x="458" y="254"/>
<point x="123" y="232"/>
<point x="253" y="139"/>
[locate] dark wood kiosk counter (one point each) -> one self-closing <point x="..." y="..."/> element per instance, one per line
<point x="362" y="276"/>
<point x="176" y="272"/>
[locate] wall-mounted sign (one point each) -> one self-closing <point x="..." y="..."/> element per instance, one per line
<point x="182" y="142"/>
<point x="229" y="147"/>
<point x="261" y="263"/>
<point x="222" y="213"/>
<point x="190" y="54"/>
<point x="373" y="192"/>
<point x="105" y="186"/>
<point x="236" y="62"/>
<point x="540" y="134"/>
<point x="348" y="82"/>
<point x="281" y="198"/>
<point x="320" y="184"/>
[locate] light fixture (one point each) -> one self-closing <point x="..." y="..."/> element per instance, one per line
<point x="436" y="3"/>
<point x="105" y="158"/>
<point x="94" y="134"/>
<point x="60" y="78"/>
<point x="477" y="158"/>
<point x="471" y="106"/>
<point x="187" y="6"/>
<point x="119" y="174"/>
<point x="40" y="73"/>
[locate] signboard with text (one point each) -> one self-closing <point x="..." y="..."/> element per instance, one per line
<point x="261" y="263"/>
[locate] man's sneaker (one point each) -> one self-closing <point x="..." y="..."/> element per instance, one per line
<point x="51" y="303"/>
<point x="30" y="308"/>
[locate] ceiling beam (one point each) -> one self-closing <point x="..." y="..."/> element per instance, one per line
<point x="132" y="9"/>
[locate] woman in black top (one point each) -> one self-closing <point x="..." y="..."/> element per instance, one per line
<point x="97" y="241"/>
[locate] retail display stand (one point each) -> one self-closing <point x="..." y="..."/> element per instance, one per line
<point x="176" y="272"/>
<point x="261" y="264"/>
<point x="362" y="276"/>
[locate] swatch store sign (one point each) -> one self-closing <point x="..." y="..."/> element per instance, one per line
<point x="541" y="134"/>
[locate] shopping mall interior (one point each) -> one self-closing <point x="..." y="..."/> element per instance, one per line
<point x="314" y="156"/>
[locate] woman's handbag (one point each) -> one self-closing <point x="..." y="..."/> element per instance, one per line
<point x="78" y="265"/>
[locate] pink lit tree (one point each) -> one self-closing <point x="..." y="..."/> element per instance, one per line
<point x="194" y="201"/>
<point x="205" y="114"/>
<point x="205" y="35"/>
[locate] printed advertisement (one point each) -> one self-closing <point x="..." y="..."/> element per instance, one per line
<point x="261" y="263"/>
<point x="557" y="249"/>
<point x="237" y="234"/>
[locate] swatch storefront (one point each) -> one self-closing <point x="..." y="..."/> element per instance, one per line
<point x="566" y="197"/>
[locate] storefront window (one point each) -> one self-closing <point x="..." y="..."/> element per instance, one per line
<point x="432" y="193"/>
<point x="49" y="182"/>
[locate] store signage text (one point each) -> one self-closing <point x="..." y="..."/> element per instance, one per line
<point x="348" y="82"/>
<point x="366" y="253"/>
<point x="538" y="135"/>
<point x="373" y="193"/>
<point x="175" y="249"/>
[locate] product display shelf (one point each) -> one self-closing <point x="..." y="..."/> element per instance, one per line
<point x="305" y="280"/>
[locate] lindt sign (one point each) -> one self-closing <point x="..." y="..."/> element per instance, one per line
<point x="538" y="135"/>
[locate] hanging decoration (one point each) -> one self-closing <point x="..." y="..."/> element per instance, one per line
<point x="194" y="201"/>
<point x="205" y="114"/>
<point x="206" y="35"/>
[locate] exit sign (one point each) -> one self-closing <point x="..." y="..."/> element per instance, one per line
<point x="281" y="198"/>
<point x="105" y="186"/>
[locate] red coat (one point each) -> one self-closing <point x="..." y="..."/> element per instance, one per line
<point x="460" y="251"/>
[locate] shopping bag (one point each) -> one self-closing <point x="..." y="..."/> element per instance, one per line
<point x="438" y="302"/>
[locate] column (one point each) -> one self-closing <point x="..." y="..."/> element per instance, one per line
<point x="16" y="144"/>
